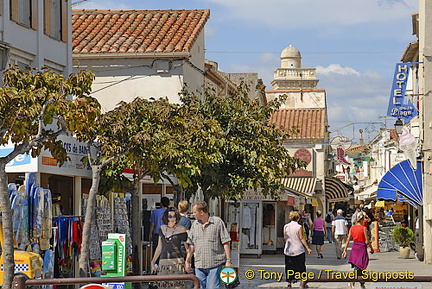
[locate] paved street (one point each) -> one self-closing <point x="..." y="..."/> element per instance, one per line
<point x="379" y="262"/>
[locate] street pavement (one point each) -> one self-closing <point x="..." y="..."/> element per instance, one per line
<point x="273" y="266"/>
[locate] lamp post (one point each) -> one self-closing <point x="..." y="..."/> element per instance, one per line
<point x="398" y="126"/>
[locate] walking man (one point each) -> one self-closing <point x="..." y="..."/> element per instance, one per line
<point x="328" y="220"/>
<point x="340" y="232"/>
<point x="210" y="242"/>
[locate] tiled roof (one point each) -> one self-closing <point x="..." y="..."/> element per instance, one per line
<point x="136" y="31"/>
<point x="310" y="121"/>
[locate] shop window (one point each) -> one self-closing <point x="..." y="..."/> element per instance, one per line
<point x="152" y="189"/>
<point x="24" y="12"/>
<point x="55" y="19"/>
<point x="4" y="54"/>
<point x="170" y="190"/>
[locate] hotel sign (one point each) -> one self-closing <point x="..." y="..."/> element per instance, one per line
<point x="400" y="105"/>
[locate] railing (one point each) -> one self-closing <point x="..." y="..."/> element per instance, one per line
<point x="422" y="279"/>
<point x="21" y="281"/>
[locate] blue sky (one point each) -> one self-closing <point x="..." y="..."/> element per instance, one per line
<point x="354" y="44"/>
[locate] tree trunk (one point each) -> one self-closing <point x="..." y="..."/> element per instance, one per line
<point x="90" y="209"/>
<point x="8" y="243"/>
<point x="136" y="231"/>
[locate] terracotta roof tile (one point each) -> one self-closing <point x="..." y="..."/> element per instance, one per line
<point x="310" y="121"/>
<point x="136" y="31"/>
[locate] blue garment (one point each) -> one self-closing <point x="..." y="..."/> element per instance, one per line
<point x="156" y="219"/>
<point x="329" y="234"/>
<point x="185" y="222"/>
<point x="209" y="278"/>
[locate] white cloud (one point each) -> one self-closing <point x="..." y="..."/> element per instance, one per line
<point x="104" y="5"/>
<point x="353" y="96"/>
<point x="293" y="14"/>
<point x="336" y="69"/>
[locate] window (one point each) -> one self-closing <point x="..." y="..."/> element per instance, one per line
<point x="24" y="12"/>
<point x="56" y="19"/>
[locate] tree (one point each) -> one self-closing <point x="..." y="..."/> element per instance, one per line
<point x="35" y="108"/>
<point x="251" y="150"/>
<point x="168" y="139"/>
<point x="142" y="134"/>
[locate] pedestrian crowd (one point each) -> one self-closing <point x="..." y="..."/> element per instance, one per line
<point x="339" y="229"/>
<point x="201" y="247"/>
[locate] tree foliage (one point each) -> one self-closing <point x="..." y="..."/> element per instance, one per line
<point x="251" y="154"/>
<point x="154" y="137"/>
<point x="36" y="106"/>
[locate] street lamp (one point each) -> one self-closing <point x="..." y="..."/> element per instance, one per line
<point x="398" y="126"/>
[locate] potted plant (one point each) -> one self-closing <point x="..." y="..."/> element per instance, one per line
<point x="403" y="236"/>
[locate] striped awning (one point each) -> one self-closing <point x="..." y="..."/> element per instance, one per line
<point x="336" y="190"/>
<point x="304" y="186"/>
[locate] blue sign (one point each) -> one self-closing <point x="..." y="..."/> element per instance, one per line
<point x="400" y="105"/>
<point x="19" y="160"/>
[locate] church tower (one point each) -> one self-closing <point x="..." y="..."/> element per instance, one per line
<point x="291" y="76"/>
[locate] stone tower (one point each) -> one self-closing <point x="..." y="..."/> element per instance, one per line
<point x="291" y="76"/>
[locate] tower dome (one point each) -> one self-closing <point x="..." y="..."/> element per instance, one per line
<point x="290" y="57"/>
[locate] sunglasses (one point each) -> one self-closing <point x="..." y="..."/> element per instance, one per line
<point x="171" y="217"/>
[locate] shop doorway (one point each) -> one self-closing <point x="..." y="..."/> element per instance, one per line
<point x="62" y="189"/>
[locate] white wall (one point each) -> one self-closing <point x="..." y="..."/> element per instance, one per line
<point x="194" y="76"/>
<point x="123" y="78"/>
<point x="34" y="45"/>
<point x="296" y="99"/>
<point x="119" y="79"/>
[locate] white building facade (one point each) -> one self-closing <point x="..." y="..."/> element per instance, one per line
<point x="36" y="33"/>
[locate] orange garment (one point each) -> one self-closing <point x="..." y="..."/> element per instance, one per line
<point x="357" y="233"/>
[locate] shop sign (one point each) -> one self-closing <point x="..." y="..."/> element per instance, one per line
<point x="400" y="105"/>
<point x="19" y="160"/>
<point x="290" y="201"/>
<point x="341" y="177"/>
<point x="94" y="286"/>
<point x="21" y="163"/>
<point x="74" y="165"/>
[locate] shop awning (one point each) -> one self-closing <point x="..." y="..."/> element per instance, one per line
<point x="404" y="180"/>
<point x="336" y="190"/>
<point x="385" y="192"/>
<point x="303" y="186"/>
<point x="380" y="204"/>
<point x="367" y="193"/>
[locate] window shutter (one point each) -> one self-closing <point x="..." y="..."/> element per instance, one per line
<point x="14" y="10"/>
<point x="47" y="17"/>
<point x="64" y="21"/>
<point x="34" y="14"/>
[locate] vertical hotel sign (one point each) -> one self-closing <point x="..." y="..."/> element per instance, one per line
<point x="400" y="105"/>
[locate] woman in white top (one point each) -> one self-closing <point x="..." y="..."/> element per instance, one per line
<point x="295" y="244"/>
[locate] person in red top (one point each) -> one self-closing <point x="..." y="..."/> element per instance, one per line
<point x="359" y="257"/>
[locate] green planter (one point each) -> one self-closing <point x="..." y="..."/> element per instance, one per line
<point x="403" y="236"/>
